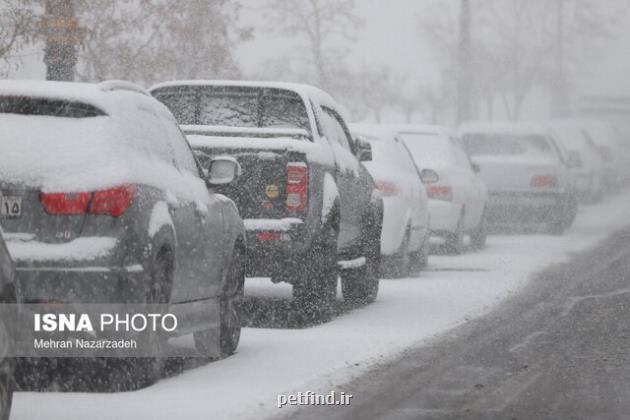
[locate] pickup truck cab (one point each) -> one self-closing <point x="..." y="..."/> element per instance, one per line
<point x="311" y="209"/>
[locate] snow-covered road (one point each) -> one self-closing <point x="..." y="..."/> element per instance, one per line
<point x="273" y="361"/>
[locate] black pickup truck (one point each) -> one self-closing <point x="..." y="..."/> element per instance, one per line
<point x="311" y="210"/>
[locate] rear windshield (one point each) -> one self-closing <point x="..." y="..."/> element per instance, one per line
<point x="506" y="145"/>
<point x="428" y="148"/>
<point x="24" y="105"/>
<point x="235" y="106"/>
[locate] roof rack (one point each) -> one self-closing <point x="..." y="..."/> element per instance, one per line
<point x="112" y="85"/>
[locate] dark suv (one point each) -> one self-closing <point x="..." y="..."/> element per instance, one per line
<point x="103" y="201"/>
<point x="310" y="207"/>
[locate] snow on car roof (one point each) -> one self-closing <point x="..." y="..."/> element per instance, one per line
<point x="112" y="97"/>
<point x="503" y="127"/>
<point x="305" y="91"/>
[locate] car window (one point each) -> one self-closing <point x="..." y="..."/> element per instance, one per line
<point x="495" y="144"/>
<point x="23" y="105"/>
<point x="182" y="152"/>
<point x="429" y="149"/>
<point x="337" y="129"/>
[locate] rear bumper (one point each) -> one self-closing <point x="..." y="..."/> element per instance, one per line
<point x="111" y="273"/>
<point x="444" y="216"/>
<point x="275" y="247"/>
<point x="523" y="206"/>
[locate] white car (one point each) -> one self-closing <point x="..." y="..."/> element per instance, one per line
<point x="603" y="136"/>
<point x="405" y="235"/>
<point x="585" y="160"/>
<point x="457" y="196"/>
<point x="527" y="176"/>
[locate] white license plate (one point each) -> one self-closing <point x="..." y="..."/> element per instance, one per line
<point x="10" y="206"/>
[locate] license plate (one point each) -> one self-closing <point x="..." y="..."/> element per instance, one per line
<point x="10" y="206"/>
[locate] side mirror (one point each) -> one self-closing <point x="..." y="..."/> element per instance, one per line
<point x="223" y="170"/>
<point x="429" y="176"/>
<point x="574" y="159"/>
<point x="364" y="150"/>
<point x="475" y="167"/>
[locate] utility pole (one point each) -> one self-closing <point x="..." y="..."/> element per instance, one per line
<point x="465" y="76"/>
<point x="560" y="100"/>
<point x="63" y="35"/>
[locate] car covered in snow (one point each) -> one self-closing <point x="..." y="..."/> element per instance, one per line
<point x="307" y="200"/>
<point x="457" y="196"/>
<point x="405" y="236"/>
<point x="584" y="159"/>
<point x="526" y="172"/>
<point x="614" y="155"/>
<point x="102" y="201"/>
<point x="7" y="297"/>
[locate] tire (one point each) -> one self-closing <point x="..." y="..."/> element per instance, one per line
<point x="557" y="225"/>
<point x="455" y="240"/>
<point x="145" y="371"/>
<point x="420" y="259"/>
<point x="314" y="295"/>
<point x="399" y="265"/>
<point x="571" y="210"/>
<point x="7" y="366"/>
<point x="360" y="286"/>
<point x="231" y="311"/>
<point x="479" y="236"/>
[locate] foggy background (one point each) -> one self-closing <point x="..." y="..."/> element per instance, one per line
<point x="394" y="61"/>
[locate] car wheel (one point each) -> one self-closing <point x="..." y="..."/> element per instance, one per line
<point x="455" y="240"/>
<point x="420" y="259"/>
<point x="571" y="211"/>
<point x="144" y="371"/>
<point x="360" y="285"/>
<point x="6" y="372"/>
<point x="557" y="224"/>
<point x="398" y="265"/>
<point x="314" y="295"/>
<point x="479" y="236"/>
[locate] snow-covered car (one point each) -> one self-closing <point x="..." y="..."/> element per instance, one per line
<point x="307" y="200"/>
<point x="527" y="176"/>
<point x="102" y="201"/>
<point x="405" y="236"/>
<point x="603" y="136"/>
<point x="584" y="159"/>
<point x="457" y="196"/>
<point x="7" y="297"/>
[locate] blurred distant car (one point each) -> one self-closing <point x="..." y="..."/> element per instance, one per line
<point x="527" y="176"/>
<point x="405" y="236"/>
<point x="102" y="201"/>
<point x="7" y="296"/>
<point x="457" y="196"/>
<point x="307" y="200"/>
<point x="602" y="136"/>
<point x="584" y="159"/>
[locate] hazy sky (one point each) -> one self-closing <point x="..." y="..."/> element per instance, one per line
<point x="391" y="37"/>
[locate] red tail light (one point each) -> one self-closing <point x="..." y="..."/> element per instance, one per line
<point x="62" y="203"/>
<point x="111" y="202"/>
<point x="542" y="181"/>
<point x="440" y="192"/>
<point x="269" y="236"/>
<point x="387" y="189"/>
<point x="297" y="187"/>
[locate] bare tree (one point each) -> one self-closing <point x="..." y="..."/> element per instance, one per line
<point x="323" y="27"/>
<point x="151" y="40"/>
<point x="16" y="20"/>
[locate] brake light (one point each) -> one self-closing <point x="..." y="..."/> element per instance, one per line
<point x="269" y="236"/>
<point x="111" y="202"/>
<point x="65" y="203"/>
<point x="440" y="192"/>
<point x="387" y="189"/>
<point x="297" y="187"/>
<point x="542" y="181"/>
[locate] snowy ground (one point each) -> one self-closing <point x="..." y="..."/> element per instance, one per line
<point x="273" y="361"/>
